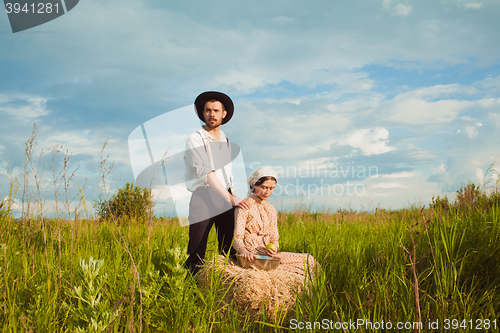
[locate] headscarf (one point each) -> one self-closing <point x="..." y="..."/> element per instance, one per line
<point x="265" y="171"/>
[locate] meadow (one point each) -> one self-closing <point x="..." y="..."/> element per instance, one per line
<point x="435" y="264"/>
<point x="433" y="268"/>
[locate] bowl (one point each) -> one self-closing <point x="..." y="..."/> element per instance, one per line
<point x="261" y="262"/>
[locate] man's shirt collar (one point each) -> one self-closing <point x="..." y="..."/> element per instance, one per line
<point x="207" y="135"/>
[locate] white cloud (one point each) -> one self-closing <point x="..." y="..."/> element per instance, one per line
<point x="441" y="168"/>
<point x="398" y="10"/>
<point x="386" y="4"/>
<point x="472" y="130"/>
<point x="74" y="142"/>
<point x="443" y="90"/>
<point x="388" y="185"/>
<point x="403" y="174"/>
<point x="318" y="72"/>
<point x="473" y="5"/>
<point x="363" y="102"/>
<point x="14" y="205"/>
<point x="248" y="78"/>
<point x="402" y="10"/>
<point x="428" y="105"/>
<point x="289" y="134"/>
<point x="291" y="100"/>
<point x="245" y="81"/>
<point x="420" y="154"/>
<point x="283" y="20"/>
<point x="374" y="192"/>
<point x="479" y="176"/>
<point x="177" y="45"/>
<point x="371" y="142"/>
<point x="23" y="106"/>
<point x="467" y="118"/>
<point x="489" y="102"/>
<point x="418" y="112"/>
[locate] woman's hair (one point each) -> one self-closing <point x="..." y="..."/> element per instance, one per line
<point x="262" y="180"/>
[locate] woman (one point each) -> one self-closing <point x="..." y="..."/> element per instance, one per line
<point x="256" y="228"/>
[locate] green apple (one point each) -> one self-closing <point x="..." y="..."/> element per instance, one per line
<point x="270" y="246"/>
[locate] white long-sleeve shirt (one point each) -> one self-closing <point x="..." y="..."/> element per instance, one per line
<point x="204" y="154"/>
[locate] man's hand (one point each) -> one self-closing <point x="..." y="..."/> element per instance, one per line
<point x="242" y="203"/>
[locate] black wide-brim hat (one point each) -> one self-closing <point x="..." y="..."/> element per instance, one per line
<point x="199" y="104"/>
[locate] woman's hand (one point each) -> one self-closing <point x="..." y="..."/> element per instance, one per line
<point x="247" y="255"/>
<point x="271" y="250"/>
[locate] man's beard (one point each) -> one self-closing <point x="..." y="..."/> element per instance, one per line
<point x="213" y="125"/>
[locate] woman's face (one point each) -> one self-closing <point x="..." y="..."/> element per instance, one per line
<point x="264" y="190"/>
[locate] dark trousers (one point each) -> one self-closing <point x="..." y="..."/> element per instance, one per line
<point x="207" y="208"/>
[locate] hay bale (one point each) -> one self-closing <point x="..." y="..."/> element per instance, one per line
<point x="250" y="288"/>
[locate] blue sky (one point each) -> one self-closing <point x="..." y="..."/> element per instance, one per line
<point x="409" y="88"/>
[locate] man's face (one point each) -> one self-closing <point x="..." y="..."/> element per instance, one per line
<point x="213" y="113"/>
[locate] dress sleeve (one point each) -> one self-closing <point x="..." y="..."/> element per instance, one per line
<point x="240" y="222"/>
<point x="197" y="158"/>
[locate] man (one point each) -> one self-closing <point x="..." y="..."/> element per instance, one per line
<point x="209" y="177"/>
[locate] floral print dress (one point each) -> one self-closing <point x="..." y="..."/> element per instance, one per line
<point x="257" y="226"/>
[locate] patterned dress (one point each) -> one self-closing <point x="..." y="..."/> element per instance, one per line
<point x="257" y="226"/>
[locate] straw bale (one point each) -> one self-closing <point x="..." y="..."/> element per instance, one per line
<point x="250" y="288"/>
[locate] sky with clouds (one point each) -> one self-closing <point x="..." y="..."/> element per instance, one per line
<point x="357" y="104"/>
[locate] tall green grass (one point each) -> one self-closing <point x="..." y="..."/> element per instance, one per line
<point x="69" y="274"/>
<point x="408" y="265"/>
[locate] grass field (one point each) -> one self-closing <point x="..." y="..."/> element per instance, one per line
<point x="430" y="265"/>
<point x="433" y="268"/>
